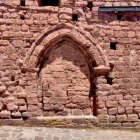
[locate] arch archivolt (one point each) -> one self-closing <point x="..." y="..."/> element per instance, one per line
<point x="73" y="34"/>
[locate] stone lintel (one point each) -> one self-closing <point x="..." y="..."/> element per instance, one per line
<point x="102" y="69"/>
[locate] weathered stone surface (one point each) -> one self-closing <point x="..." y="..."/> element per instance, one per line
<point x="2" y="89"/>
<point x="126" y="103"/>
<point x="5" y="114"/>
<point x="103" y="118"/>
<point x="137" y="110"/>
<point x="65" y="61"/>
<point x="112" y="118"/>
<point x="32" y="101"/>
<point x="121" y="110"/>
<point x="133" y="118"/>
<point x="21" y="95"/>
<point x="112" y="111"/>
<point x="131" y="34"/>
<point x="16" y="114"/>
<point x="27" y="114"/>
<point x="20" y="102"/>
<point x="121" y="118"/>
<point x="23" y="108"/>
<point x="12" y="107"/>
<point x="111" y="104"/>
<point x="129" y="110"/>
<point x="76" y="112"/>
<point x="48" y="107"/>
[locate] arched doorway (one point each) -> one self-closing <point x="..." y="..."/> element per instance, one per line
<point x="66" y="81"/>
<point x="67" y="42"/>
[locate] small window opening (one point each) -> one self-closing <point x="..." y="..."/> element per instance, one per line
<point x="120" y="17"/>
<point x="22" y="2"/>
<point x="90" y="4"/>
<point x="109" y="80"/>
<point x="49" y="3"/>
<point x="75" y="17"/>
<point x="13" y="78"/>
<point x="113" y="45"/>
<point x="22" y="17"/>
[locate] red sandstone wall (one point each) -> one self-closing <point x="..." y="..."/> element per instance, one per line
<point x="21" y="95"/>
<point x="95" y="2"/>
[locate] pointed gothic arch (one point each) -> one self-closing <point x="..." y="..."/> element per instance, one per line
<point x="80" y="39"/>
<point x="60" y="32"/>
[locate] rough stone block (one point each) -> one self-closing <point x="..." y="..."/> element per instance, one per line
<point x="128" y="124"/>
<point x="5" y="114"/>
<point x="87" y="111"/>
<point x="102" y="93"/>
<point x="112" y="118"/>
<point x="129" y="110"/>
<point x="102" y="111"/>
<point x="104" y="87"/>
<point x="78" y="99"/>
<point x="133" y="118"/>
<point x="116" y="125"/>
<point x="112" y="111"/>
<point x="137" y="103"/>
<point x="71" y="105"/>
<point x="47" y="94"/>
<point x="23" y="108"/>
<point x="16" y="114"/>
<point x="121" y="110"/>
<point x="21" y="95"/>
<point x="12" y="107"/>
<point x="119" y="97"/>
<point x="126" y="103"/>
<point x="20" y="102"/>
<point x="58" y="107"/>
<point x="24" y="27"/>
<point x="46" y="100"/>
<point x="121" y="118"/>
<point x="11" y="89"/>
<point x="53" y="100"/>
<point x="33" y="108"/>
<point x="2" y="89"/>
<point x="32" y="101"/>
<point x="103" y="118"/>
<point x="77" y="112"/>
<point x="61" y="93"/>
<point x="137" y="110"/>
<point x="101" y="104"/>
<point x="48" y="107"/>
<point x="26" y="114"/>
<point x="131" y="34"/>
<point x="111" y="104"/>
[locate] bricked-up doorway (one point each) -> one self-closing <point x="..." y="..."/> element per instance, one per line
<point x="66" y="81"/>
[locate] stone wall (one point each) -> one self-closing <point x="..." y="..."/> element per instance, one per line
<point x="66" y="82"/>
<point x="106" y="82"/>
